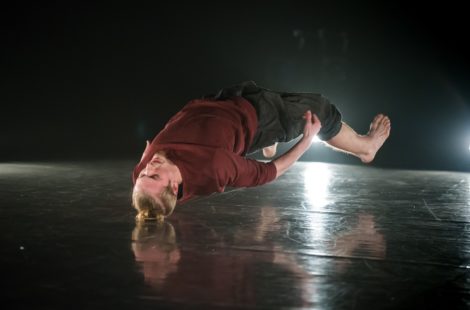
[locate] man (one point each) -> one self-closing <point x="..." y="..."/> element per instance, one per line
<point x="202" y="148"/>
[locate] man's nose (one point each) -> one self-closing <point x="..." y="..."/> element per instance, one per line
<point x="149" y="168"/>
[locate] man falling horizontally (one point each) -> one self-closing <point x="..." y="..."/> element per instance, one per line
<point x="202" y="148"/>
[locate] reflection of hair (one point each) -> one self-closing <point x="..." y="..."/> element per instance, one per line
<point x="149" y="208"/>
<point x="151" y="235"/>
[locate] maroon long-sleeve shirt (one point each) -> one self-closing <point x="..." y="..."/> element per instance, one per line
<point x="207" y="140"/>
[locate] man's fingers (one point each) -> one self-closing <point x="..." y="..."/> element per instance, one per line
<point x="312" y="117"/>
<point x="308" y="115"/>
<point x="316" y="119"/>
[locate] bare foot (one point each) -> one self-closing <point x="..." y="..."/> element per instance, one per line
<point x="270" y="151"/>
<point x="378" y="133"/>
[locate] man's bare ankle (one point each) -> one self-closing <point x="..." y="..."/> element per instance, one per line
<point x="270" y="151"/>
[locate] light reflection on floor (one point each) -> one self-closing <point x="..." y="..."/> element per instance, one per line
<point x="323" y="236"/>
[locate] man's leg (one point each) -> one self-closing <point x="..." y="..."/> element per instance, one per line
<point x="270" y="151"/>
<point x="362" y="146"/>
<point x="280" y="117"/>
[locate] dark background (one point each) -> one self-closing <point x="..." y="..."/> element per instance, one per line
<point x="94" y="81"/>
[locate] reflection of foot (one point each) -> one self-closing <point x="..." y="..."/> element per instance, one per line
<point x="378" y="133"/>
<point x="270" y="151"/>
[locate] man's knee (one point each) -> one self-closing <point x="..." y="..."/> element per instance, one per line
<point x="331" y="122"/>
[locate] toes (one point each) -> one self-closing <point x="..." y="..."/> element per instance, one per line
<point x="376" y="121"/>
<point x="382" y="119"/>
<point x="378" y="118"/>
<point x="386" y="121"/>
<point x="387" y="125"/>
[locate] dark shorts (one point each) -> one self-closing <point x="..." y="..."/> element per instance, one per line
<point x="280" y="114"/>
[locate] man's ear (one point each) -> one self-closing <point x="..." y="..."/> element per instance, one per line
<point x="174" y="188"/>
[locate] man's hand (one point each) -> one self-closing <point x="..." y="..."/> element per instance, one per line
<point x="312" y="126"/>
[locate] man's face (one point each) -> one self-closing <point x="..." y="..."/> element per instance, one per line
<point x="156" y="251"/>
<point x="157" y="263"/>
<point x="155" y="177"/>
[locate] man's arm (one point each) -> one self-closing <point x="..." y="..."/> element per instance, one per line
<point x="312" y="127"/>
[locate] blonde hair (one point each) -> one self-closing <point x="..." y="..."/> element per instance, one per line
<point x="149" y="208"/>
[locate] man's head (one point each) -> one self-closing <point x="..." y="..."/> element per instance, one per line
<point x="156" y="187"/>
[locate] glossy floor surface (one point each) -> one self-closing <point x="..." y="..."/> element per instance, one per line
<point x="323" y="236"/>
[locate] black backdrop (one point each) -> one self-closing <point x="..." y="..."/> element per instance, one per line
<point x="85" y="81"/>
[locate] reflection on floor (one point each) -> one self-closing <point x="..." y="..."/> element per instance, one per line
<point x="322" y="237"/>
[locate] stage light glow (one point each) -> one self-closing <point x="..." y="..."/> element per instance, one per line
<point x="468" y="193"/>
<point x="317" y="179"/>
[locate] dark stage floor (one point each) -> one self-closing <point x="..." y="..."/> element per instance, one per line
<point x="322" y="237"/>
